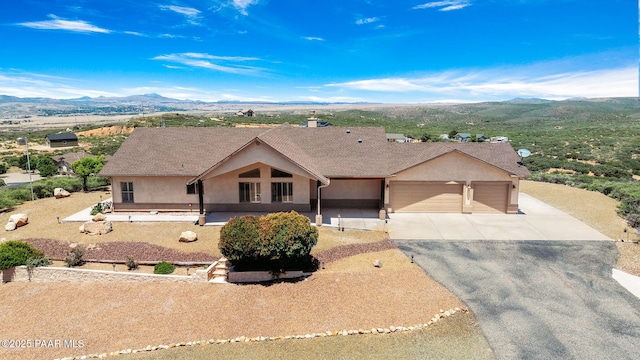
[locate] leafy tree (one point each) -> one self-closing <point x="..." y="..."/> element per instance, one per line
<point x="452" y="134"/>
<point x="3" y="168"/>
<point x="46" y="166"/>
<point x="425" y="137"/>
<point x="16" y="253"/>
<point x="86" y="167"/>
<point x="23" y="162"/>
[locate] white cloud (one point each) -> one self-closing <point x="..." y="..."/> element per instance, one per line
<point x="447" y="5"/>
<point x="191" y="14"/>
<point x="227" y="64"/>
<point x="505" y="83"/>
<point x="68" y="25"/>
<point x="186" y="11"/>
<point x="313" y="38"/>
<point x="242" y="5"/>
<point x="22" y="84"/>
<point x="385" y="85"/>
<point x="369" y="20"/>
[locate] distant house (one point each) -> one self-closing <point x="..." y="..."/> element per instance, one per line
<point x="64" y="161"/>
<point x="397" y="138"/>
<point x="480" y="138"/>
<point x="463" y="137"/>
<point x="245" y="112"/>
<point x="61" y="140"/>
<point x="499" y="139"/>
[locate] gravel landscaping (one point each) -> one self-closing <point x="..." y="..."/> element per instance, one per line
<point x="120" y="251"/>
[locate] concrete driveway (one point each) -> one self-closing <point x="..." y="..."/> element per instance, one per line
<point x="536" y="221"/>
<point x="18" y="178"/>
<point x="537" y="288"/>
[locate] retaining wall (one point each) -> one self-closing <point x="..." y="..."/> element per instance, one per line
<point x="58" y="274"/>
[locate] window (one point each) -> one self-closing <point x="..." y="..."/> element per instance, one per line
<point x="192" y="189"/>
<point x="255" y="173"/>
<point x="275" y="173"/>
<point x="126" y="189"/>
<point x="249" y="192"/>
<point x="282" y="192"/>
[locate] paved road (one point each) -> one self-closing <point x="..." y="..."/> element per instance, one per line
<point x="538" y="299"/>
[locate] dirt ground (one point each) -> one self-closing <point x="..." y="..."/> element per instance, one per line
<point x="594" y="209"/>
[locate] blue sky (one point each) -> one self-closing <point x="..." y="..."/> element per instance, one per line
<point x="334" y="50"/>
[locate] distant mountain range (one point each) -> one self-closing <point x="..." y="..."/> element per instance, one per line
<point x="12" y="107"/>
<point x="147" y="99"/>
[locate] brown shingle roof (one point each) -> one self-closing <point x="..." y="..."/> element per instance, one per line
<point x="328" y="152"/>
<point x="71" y="157"/>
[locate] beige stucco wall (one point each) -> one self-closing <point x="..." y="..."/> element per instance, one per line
<point x="224" y="189"/>
<point x="352" y="189"/>
<point x="156" y="189"/>
<point x="459" y="168"/>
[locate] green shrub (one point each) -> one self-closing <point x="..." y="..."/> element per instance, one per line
<point x="38" y="261"/>
<point x="131" y="263"/>
<point x="75" y="257"/>
<point x="16" y="253"/>
<point x="163" y="268"/>
<point x="240" y="238"/>
<point x="276" y="242"/>
<point x="46" y="166"/>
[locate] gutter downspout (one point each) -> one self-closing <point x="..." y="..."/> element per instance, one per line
<point x="319" y="215"/>
<point x="202" y="218"/>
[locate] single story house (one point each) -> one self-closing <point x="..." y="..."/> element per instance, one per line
<point x="463" y="137"/>
<point x="401" y="138"/>
<point x="245" y="112"/>
<point x="61" y="140"/>
<point x="294" y="168"/>
<point x="64" y="161"/>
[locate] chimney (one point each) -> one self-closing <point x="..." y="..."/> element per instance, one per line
<point x="312" y="121"/>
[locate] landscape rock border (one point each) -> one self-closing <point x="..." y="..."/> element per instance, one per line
<point x="388" y="330"/>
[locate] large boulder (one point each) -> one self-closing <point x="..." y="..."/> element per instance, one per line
<point x="96" y="227"/>
<point x="99" y="217"/>
<point x="10" y="226"/>
<point x="60" y="193"/>
<point x="188" y="236"/>
<point x="19" y="219"/>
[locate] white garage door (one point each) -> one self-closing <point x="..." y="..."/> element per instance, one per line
<point x="490" y="197"/>
<point x="425" y="197"/>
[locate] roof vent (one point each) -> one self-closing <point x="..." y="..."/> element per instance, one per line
<point x="348" y="131"/>
<point x="359" y="141"/>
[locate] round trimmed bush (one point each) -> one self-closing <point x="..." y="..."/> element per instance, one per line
<point x="16" y="253"/>
<point x="163" y="268"/>
<point x="276" y="242"/>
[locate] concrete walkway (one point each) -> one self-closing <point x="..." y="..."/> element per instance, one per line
<point x="360" y="219"/>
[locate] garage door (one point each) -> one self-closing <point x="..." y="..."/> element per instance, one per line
<point x="490" y="197"/>
<point x="425" y="197"/>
